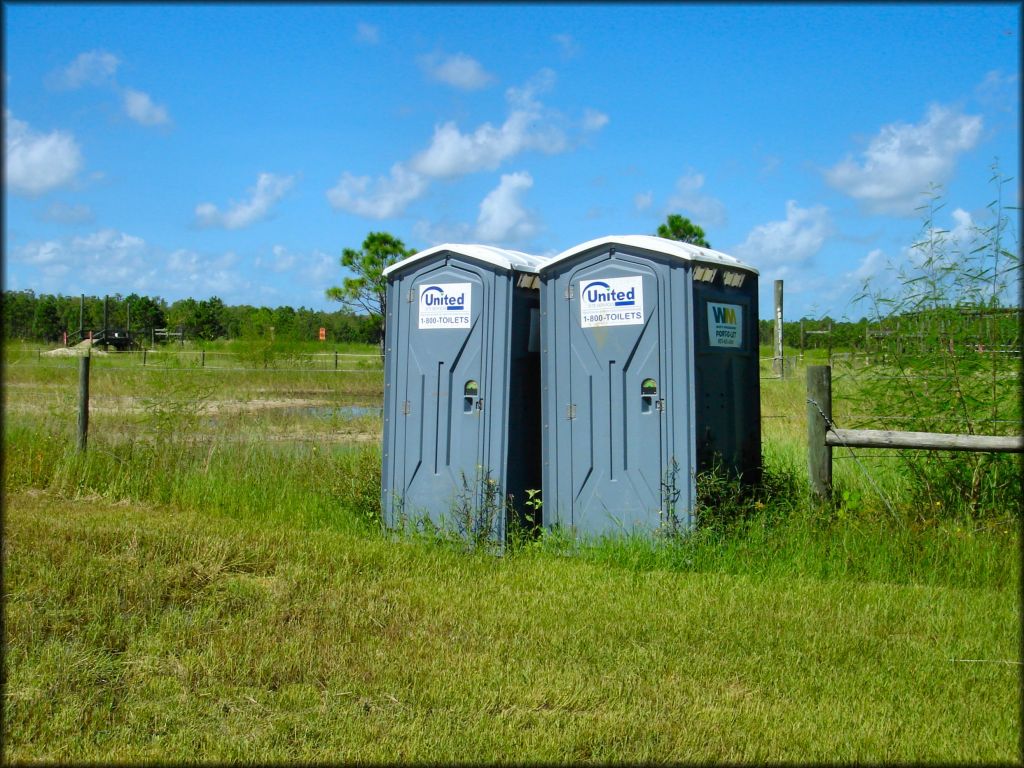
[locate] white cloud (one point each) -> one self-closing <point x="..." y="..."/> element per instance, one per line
<point x="643" y="200"/>
<point x="140" y="108"/>
<point x="876" y="268"/>
<point x="38" y="254"/>
<point x="502" y="216"/>
<point x="567" y="44"/>
<point x="452" y="153"/>
<point x="282" y="262"/>
<point x="184" y="261"/>
<point x="62" y="213"/>
<point x="944" y="246"/>
<point x="875" y="263"/>
<point x="903" y="160"/>
<point x="457" y="70"/>
<point x="109" y="261"/>
<point x="383" y="198"/>
<point x="56" y="272"/>
<point x="999" y="91"/>
<point x="308" y="272"/>
<point x="792" y="241"/>
<point x="594" y="120"/>
<point x="99" y="68"/>
<point x="268" y="190"/>
<point x="36" y="162"/>
<point x="527" y="127"/>
<point x="526" y="96"/>
<point x="434" y="232"/>
<point x="319" y="267"/>
<point x="706" y="211"/>
<point x="964" y="230"/>
<point x="117" y="256"/>
<point x="367" y="33"/>
<point x="108" y="241"/>
<point x="197" y="275"/>
<point x="91" y="68"/>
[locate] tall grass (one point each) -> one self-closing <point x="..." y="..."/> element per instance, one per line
<point x="779" y="532"/>
<point x="953" y="374"/>
<point x="137" y="633"/>
<point x="306" y="486"/>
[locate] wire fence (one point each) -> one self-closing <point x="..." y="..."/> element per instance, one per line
<point x="370" y="364"/>
<point x="192" y="360"/>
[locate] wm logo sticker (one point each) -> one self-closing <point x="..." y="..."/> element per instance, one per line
<point x="724" y="313"/>
<point x="725" y="325"/>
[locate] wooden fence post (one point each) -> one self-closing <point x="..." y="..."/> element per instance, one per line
<point x="83" y="400"/>
<point x="819" y="414"/>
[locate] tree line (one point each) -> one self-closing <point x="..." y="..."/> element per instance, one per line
<point x="45" y="317"/>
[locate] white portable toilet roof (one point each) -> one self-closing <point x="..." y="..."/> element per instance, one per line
<point x="662" y="245"/>
<point x="499" y="257"/>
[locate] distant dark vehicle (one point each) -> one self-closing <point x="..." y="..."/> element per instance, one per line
<point x="118" y="338"/>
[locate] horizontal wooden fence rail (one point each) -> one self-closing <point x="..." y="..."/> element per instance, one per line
<point x="931" y="441"/>
<point x="823" y="435"/>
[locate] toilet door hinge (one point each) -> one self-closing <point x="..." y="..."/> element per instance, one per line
<point x="410" y="297"/>
<point x="570" y="412"/>
<point x="406" y="407"/>
<point x="660" y="405"/>
<point x="569" y="291"/>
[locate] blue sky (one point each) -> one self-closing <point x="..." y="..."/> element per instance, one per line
<point x="234" y="150"/>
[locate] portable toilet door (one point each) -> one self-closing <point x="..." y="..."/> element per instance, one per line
<point x="460" y="365"/>
<point x="619" y="382"/>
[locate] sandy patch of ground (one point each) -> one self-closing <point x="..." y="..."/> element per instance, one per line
<point x="76" y="351"/>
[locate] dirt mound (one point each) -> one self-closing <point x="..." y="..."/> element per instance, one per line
<point x="75" y="351"/>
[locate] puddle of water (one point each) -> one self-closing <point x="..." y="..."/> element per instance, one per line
<point x="332" y="411"/>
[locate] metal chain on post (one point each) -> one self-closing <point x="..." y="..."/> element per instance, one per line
<point x="831" y="427"/>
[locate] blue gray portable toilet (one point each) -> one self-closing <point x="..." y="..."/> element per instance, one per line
<point x="649" y="369"/>
<point x="461" y="382"/>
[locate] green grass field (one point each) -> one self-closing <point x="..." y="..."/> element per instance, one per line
<point x="209" y="583"/>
